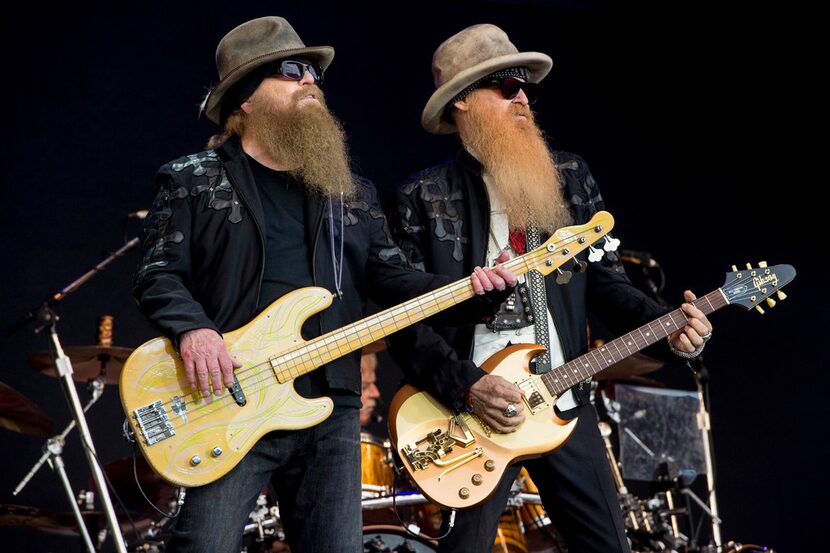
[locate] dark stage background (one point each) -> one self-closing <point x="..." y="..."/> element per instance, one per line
<point x="698" y="121"/>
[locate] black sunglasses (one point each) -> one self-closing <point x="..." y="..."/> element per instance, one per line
<point x="294" y="70"/>
<point x="510" y="87"/>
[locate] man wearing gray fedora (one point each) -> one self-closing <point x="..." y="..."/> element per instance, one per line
<point x="271" y="207"/>
<point x="506" y="191"/>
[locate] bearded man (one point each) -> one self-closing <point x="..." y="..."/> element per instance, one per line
<point x="505" y="191"/>
<point x="271" y="208"/>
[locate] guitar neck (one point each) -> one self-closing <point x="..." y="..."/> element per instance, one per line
<point x="335" y="344"/>
<point x="563" y="377"/>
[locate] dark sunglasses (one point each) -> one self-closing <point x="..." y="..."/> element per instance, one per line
<point x="510" y="87"/>
<point x="294" y="70"/>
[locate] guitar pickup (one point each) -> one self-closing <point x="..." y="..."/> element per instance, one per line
<point x="533" y="398"/>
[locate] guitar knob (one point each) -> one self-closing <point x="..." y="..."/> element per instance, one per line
<point x="781" y="295"/>
<point x="464" y="493"/>
<point x="771" y="302"/>
<point x="489" y="465"/>
<point x="477" y="479"/>
<point x="759" y="309"/>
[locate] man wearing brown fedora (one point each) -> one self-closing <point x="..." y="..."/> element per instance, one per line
<point x="506" y="191"/>
<point x="272" y="207"/>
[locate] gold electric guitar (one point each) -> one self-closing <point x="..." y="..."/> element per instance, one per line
<point x="457" y="460"/>
<point x="191" y="442"/>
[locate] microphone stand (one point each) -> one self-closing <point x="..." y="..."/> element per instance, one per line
<point x="47" y="318"/>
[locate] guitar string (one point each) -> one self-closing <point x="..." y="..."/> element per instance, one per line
<point x="253" y="372"/>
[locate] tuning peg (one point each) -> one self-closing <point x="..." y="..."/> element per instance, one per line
<point x="734" y="268"/>
<point x="595" y="254"/>
<point x="771" y="302"/>
<point x="579" y="266"/>
<point x="563" y="277"/>
<point x="781" y="295"/>
<point x="759" y="309"/>
<point x="762" y="263"/>
<point x="611" y="244"/>
<point x="749" y="266"/>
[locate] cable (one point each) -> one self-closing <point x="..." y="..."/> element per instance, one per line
<point x="405" y="526"/>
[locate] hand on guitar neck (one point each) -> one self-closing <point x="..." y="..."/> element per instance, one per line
<point x="691" y="337"/>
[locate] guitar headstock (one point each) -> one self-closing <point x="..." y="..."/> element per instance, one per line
<point x="749" y="287"/>
<point x="567" y="242"/>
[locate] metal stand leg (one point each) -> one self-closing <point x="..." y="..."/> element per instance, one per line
<point x="704" y="423"/>
<point x="55" y="447"/>
<point x="65" y="371"/>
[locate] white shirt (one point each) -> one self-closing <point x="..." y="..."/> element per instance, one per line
<point x="486" y="342"/>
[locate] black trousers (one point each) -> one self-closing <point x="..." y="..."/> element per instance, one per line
<point x="577" y="491"/>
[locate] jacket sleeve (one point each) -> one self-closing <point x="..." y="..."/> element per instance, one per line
<point x="426" y="358"/>
<point x="162" y="279"/>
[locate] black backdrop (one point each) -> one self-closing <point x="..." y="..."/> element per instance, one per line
<point x="699" y="123"/>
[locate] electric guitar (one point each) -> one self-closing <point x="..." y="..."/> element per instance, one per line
<point x="457" y="460"/>
<point x="191" y="442"/>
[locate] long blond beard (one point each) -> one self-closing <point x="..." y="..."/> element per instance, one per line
<point x="307" y="138"/>
<point x="518" y="163"/>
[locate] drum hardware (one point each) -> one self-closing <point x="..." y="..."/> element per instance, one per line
<point x="386" y="539"/>
<point x="45" y="318"/>
<point x="265" y="521"/>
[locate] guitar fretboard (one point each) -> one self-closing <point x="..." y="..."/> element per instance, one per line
<point x="560" y="378"/>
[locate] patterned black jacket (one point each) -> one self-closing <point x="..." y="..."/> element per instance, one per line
<point x="441" y="223"/>
<point x="203" y="253"/>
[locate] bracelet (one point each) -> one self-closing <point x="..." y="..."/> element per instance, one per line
<point x="690" y="354"/>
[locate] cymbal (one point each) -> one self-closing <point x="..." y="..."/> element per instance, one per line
<point x="87" y="362"/>
<point x="635" y="365"/>
<point x="21" y="414"/>
<point x="63" y="524"/>
<point x="160" y="492"/>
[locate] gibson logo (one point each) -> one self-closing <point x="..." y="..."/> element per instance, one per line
<point x="759" y="281"/>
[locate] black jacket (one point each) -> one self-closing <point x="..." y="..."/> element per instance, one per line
<point x="442" y="223"/>
<point x="203" y="253"/>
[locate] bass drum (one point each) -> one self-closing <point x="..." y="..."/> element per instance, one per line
<point x="386" y="539"/>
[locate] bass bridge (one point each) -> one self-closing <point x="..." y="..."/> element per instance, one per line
<point x="435" y="447"/>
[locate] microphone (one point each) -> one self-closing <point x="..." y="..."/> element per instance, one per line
<point x="140" y="214"/>
<point x="638" y="258"/>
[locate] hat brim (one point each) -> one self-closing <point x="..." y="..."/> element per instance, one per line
<point x="538" y="64"/>
<point x="212" y="106"/>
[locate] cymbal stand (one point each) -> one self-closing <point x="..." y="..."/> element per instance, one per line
<point x="64" y="366"/>
<point x="97" y="388"/>
<point x="47" y="318"/>
<point x="701" y="376"/>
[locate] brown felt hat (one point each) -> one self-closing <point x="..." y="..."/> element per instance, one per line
<point x="468" y="56"/>
<point x="253" y="44"/>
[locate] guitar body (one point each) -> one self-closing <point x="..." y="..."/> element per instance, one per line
<point x="469" y="474"/>
<point x="210" y="438"/>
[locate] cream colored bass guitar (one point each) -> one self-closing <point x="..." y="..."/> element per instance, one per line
<point x="190" y="442"/>
<point x="457" y="460"/>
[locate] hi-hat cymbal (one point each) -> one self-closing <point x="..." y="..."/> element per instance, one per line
<point x="87" y="362"/>
<point x="21" y="414"/>
<point x="634" y="365"/>
<point x="160" y="492"/>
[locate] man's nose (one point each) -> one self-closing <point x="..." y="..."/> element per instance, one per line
<point x="307" y="78"/>
<point x="521" y="98"/>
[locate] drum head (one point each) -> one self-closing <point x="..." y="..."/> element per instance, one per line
<point x="386" y="539"/>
